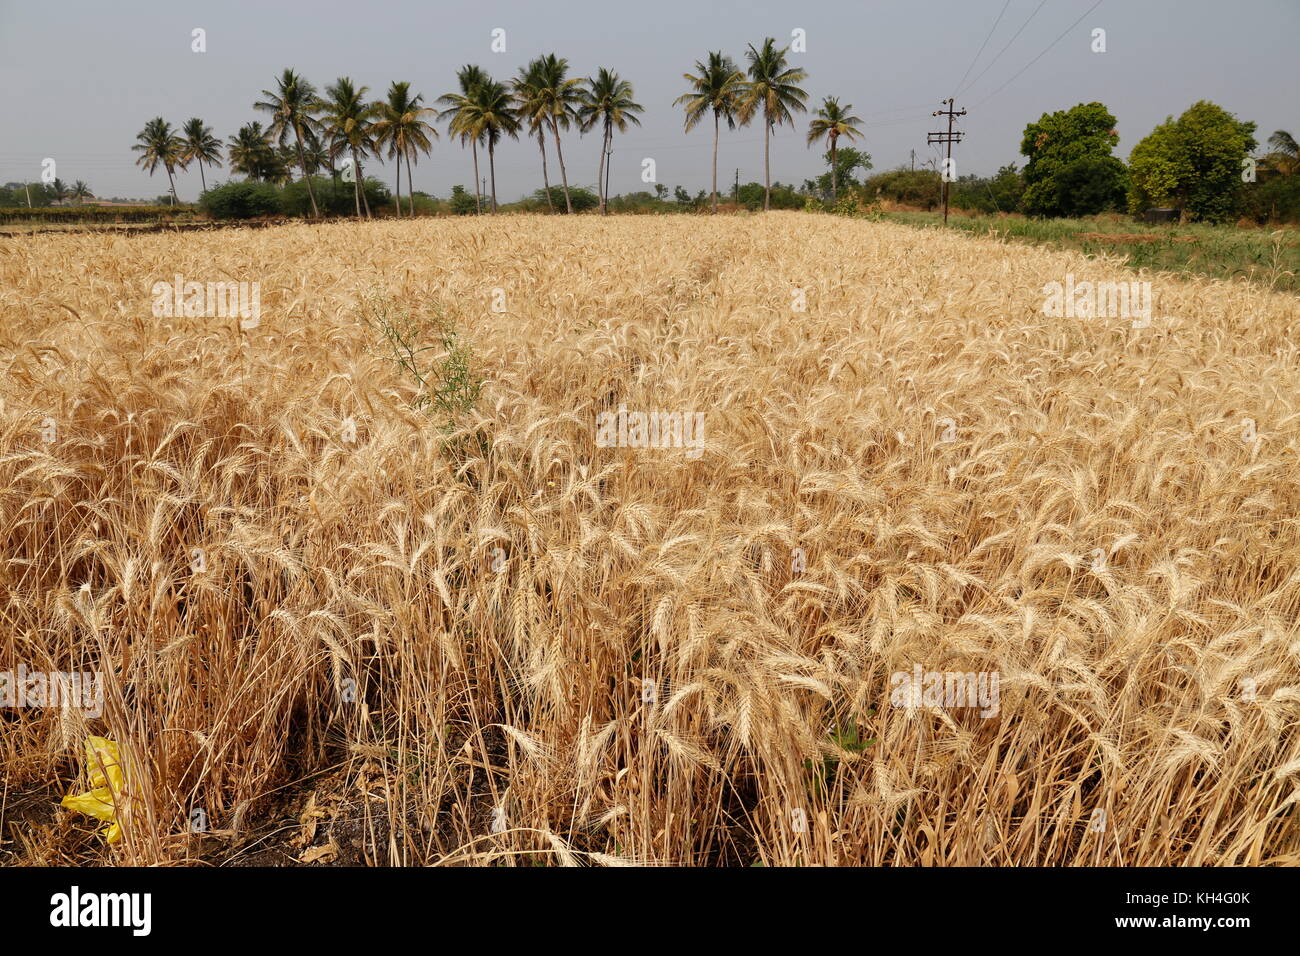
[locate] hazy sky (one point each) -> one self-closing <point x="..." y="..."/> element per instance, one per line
<point x="81" y="78"/>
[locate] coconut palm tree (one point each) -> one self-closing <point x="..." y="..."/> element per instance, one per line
<point x="402" y="128"/>
<point x="80" y="191"/>
<point x="158" y="145"/>
<point x="831" y="122"/>
<point x="531" y="109"/>
<point x="558" y="97"/>
<point x="469" y="77"/>
<point x="291" y="107"/>
<point x="58" y="190"/>
<point x="716" y="87"/>
<point x="607" y="100"/>
<point x="348" y="121"/>
<point x="772" y="89"/>
<point x="1286" y="152"/>
<point x="488" y="116"/>
<point x="250" y="152"/>
<point x="200" y="146"/>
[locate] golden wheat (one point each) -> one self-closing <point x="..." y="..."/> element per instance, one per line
<point x="495" y="640"/>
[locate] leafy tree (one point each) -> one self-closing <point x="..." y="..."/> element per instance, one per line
<point x="831" y="122"/>
<point x="1071" y="171"/>
<point x="401" y="126"/>
<point x="250" y="152"/>
<point x="200" y="146"/>
<point x="1193" y="162"/>
<point x="846" y="162"/>
<point x="348" y="122"/>
<point x="158" y="145"/>
<point x="607" y="100"/>
<point x="240" y="200"/>
<point x="461" y="203"/>
<point x="771" y="89"/>
<point x="459" y="116"/>
<point x="291" y="107"/>
<point x="716" y="87"/>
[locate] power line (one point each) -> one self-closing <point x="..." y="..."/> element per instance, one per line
<point x="988" y="37"/>
<point x="1044" y="53"/>
<point x="1003" y="50"/>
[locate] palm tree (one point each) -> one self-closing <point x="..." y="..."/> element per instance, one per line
<point x="531" y="108"/>
<point x="558" y="98"/>
<point x="315" y="154"/>
<point x="347" y="120"/>
<point x="831" y="122"/>
<point x="291" y="107"/>
<point x="401" y="126"/>
<point x="250" y="152"/>
<point x="200" y="146"/>
<point x="607" y="100"/>
<point x="771" y="87"/>
<point x="469" y="77"/>
<point x="158" y="145"/>
<point x="1286" y="152"/>
<point x="80" y="191"/>
<point x="58" y="190"/>
<point x="716" y="86"/>
<point x="490" y="117"/>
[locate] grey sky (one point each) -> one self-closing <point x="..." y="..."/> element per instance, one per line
<point x="82" y="77"/>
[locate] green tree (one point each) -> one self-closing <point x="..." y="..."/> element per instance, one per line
<point x="291" y="107"/>
<point x="831" y="122"/>
<point x="845" y="163"/>
<point x="1194" y="162"/>
<point x="158" y="145"/>
<point x="486" y="115"/>
<point x="80" y="191"/>
<point x="401" y="126"/>
<point x="716" y="87"/>
<point x="458" y="114"/>
<point x="531" y="107"/>
<point x="250" y="152"/>
<point x="1071" y="171"/>
<point x="772" y="90"/>
<point x="200" y="146"/>
<point x="348" y="122"/>
<point x="59" y="190"/>
<point x="559" y="97"/>
<point x="607" y="100"/>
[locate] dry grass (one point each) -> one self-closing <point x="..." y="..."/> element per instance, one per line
<point x="331" y="562"/>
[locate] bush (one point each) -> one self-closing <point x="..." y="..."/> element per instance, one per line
<point x="1277" y="200"/>
<point x="240" y="200"/>
<point x="95" y="214"/>
<point x="462" y="203"/>
<point x="912" y="187"/>
<point x="783" y="197"/>
<point x="333" y="196"/>
<point x="581" y="199"/>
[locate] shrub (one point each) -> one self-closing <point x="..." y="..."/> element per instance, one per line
<point x="240" y="200"/>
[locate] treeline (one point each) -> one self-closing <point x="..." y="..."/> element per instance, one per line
<point x="1200" y="165"/>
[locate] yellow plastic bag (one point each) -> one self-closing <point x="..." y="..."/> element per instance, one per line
<point x="107" y="784"/>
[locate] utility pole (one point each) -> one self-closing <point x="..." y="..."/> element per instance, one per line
<point x="949" y="137"/>
<point x="736" y="194"/>
<point x="913" y="152"/>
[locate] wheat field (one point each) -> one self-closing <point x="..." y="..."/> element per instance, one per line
<point x="436" y="621"/>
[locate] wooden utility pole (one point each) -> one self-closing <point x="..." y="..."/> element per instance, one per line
<point x="949" y="137"/>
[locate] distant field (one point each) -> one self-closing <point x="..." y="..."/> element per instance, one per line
<point x="352" y="600"/>
<point x="1270" y="257"/>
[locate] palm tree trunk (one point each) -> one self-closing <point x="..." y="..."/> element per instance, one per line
<point x="478" y="206"/>
<point x="397" y="198"/>
<point x="410" y="185"/>
<point x="492" y="171"/>
<point x="767" y="164"/>
<point x="356" y="182"/>
<point x="564" y="175"/>
<point x="175" y="198"/>
<point x="302" y="162"/>
<point x="716" y="129"/>
<point x="609" y="151"/>
<point x="835" y="175"/>
<point x="202" y="179"/>
<point x="600" y="168"/>
<point x="546" y="182"/>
